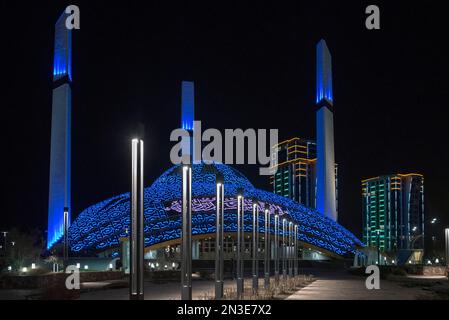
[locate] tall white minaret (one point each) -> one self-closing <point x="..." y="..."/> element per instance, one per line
<point x="59" y="186"/>
<point x="325" y="167"/>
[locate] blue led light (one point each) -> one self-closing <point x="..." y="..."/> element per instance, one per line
<point x="323" y="73"/>
<point x="62" y="63"/>
<point x="187" y="105"/>
<point x="100" y="226"/>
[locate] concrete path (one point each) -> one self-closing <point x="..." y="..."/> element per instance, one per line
<point x="163" y="291"/>
<point x="343" y="286"/>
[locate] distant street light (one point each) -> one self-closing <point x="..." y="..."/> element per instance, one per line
<point x="267" y="248"/>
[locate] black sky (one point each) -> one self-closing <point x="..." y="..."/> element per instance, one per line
<point x="253" y="67"/>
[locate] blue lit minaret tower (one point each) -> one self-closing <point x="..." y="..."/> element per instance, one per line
<point x="325" y="168"/>
<point x="188" y="113"/>
<point x="59" y="188"/>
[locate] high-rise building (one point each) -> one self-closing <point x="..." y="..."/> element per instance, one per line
<point x="295" y="176"/>
<point x="326" y="196"/>
<point x="59" y="186"/>
<point x="393" y="212"/>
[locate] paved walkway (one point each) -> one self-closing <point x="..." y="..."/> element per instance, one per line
<point x="163" y="291"/>
<point x="344" y="286"/>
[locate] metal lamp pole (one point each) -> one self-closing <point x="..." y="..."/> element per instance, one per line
<point x="296" y="250"/>
<point x="219" y="239"/>
<point x="446" y="238"/>
<point x="284" y="249"/>
<point x="240" y="242"/>
<point x="290" y="249"/>
<point x="186" y="250"/>
<point x="267" y="249"/>
<point x="136" y="288"/>
<point x="66" y="237"/>
<point x="276" y="249"/>
<point x="255" y="247"/>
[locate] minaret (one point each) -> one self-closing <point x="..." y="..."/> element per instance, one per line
<point x="187" y="105"/>
<point x="188" y="113"/>
<point x="325" y="167"/>
<point x="59" y="188"/>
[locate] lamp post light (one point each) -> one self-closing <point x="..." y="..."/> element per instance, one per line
<point x="267" y="249"/>
<point x="255" y="247"/>
<point x="240" y="242"/>
<point x="219" y="239"/>
<point x="446" y="238"/>
<point x="136" y="288"/>
<point x="284" y="249"/>
<point x="186" y="250"/>
<point x="5" y="233"/>
<point x="290" y="249"/>
<point x="295" y="257"/>
<point x="276" y="249"/>
<point x="378" y="246"/>
<point x="66" y="237"/>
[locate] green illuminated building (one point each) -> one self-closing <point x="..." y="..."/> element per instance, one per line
<point x="295" y="176"/>
<point x="393" y="212"/>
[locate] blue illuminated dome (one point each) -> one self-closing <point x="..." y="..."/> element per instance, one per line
<point x="101" y="226"/>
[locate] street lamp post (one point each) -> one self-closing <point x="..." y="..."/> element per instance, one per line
<point x="186" y="250"/>
<point x="267" y="249"/>
<point x="290" y="249"/>
<point x="4" y="236"/>
<point x="446" y="238"/>
<point x="276" y="249"/>
<point x="255" y="246"/>
<point x="295" y="257"/>
<point x="284" y="249"/>
<point x="65" y="253"/>
<point x="240" y="242"/>
<point x="136" y="288"/>
<point x="219" y="239"/>
<point x="378" y="246"/>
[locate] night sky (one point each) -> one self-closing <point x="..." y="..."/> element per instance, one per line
<point x="253" y="67"/>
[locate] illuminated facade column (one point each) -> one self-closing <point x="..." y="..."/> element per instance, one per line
<point x="255" y="266"/>
<point x="137" y="243"/>
<point x="326" y="202"/>
<point x="219" y="239"/>
<point x="60" y="149"/>
<point x="267" y="248"/>
<point x="240" y="242"/>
